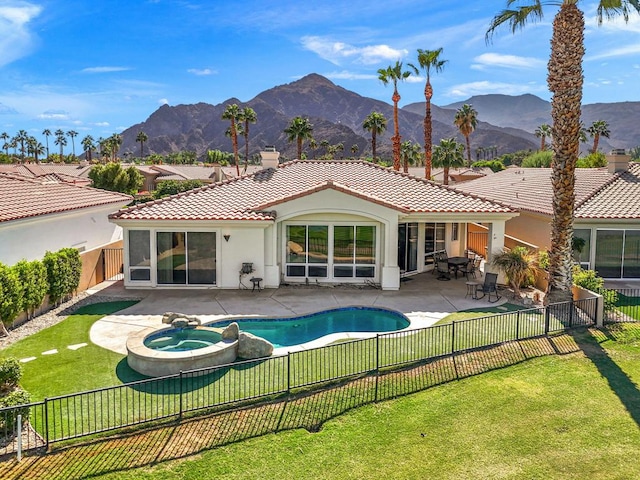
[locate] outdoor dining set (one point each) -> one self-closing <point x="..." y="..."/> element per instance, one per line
<point x="468" y="266"/>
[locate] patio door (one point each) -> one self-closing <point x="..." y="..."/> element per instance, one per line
<point x="408" y="247"/>
<point x="618" y="253"/>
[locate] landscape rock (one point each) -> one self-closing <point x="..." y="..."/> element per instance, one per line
<point x="169" y="317"/>
<point x="250" y="346"/>
<point x="231" y="332"/>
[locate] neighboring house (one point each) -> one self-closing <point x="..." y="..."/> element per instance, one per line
<point x="456" y="175"/>
<point x="301" y="222"/>
<point x="39" y="215"/>
<point x="77" y="174"/>
<point x="607" y="212"/>
<point x="154" y="174"/>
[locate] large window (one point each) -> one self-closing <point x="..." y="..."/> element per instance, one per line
<point x="327" y="251"/>
<point x="582" y="238"/>
<point x="618" y="253"/>
<point x="434" y="241"/>
<point x="139" y="255"/>
<point x="186" y="258"/>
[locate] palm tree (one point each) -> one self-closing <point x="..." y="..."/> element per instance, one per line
<point x="565" y="78"/>
<point x="88" y="146"/>
<point x="231" y="113"/>
<point x="394" y="74"/>
<point x="61" y="140"/>
<point x="47" y="133"/>
<point x="411" y="152"/>
<point x="4" y="136"/>
<point x="21" y="137"/>
<point x="429" y="59"/>
<point x="299" y="130"/>
<point x="313" y="145"/>
<point x="598" y="129"/>
<point x="325" y="146"/>
<point x="519" y="265"/>
<point x="73" y="134"/>
<point x="543" y="132"/>
<point x="37" y="149"/>
<point x="376" y="124"/>
<point x="466" y="120"/>
<point x="116" y="143"/>
<point x="354" y="150"/>
<point x="141" y="137"/>
<point x="449" y="154"/>
<point x="247" y="115"/>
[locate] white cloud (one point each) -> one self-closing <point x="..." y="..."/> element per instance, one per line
<point x="336" y="52"/>
<point x="101" y="124"/>
<point x="54" y="115"/>
<point x="6" y="110"/>
<point x="163" y="101"/>
<point x="345" y="75"/>
<point x="16" y="41"/>
<point x="104" y="69"/>
<point x="203" y="71"/>
<point x="465" y="90"/>
<point x="489" y="60"/>
<point x="616" y="52"/>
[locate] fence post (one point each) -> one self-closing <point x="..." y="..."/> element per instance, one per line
<point x="19" y="434"/>
<point x="453" y="336"/>
<point x="377" y="366"/>
<point x="46" y="423"/>
<point x="571" y="313"/>
<point x="288" y="372"/>
<point x="181" y="390"/>
<point x="518" y="325"/>
<point x="546" y="319"/>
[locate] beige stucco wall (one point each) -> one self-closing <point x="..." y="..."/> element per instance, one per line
<point x="532" y="228"/>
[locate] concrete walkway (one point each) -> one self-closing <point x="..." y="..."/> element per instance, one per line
<point x="422" y="298"/>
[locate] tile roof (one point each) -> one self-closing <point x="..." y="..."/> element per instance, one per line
<point x="250" y="197"/>
<point x="617" y="199"/>
<point x="530" y="188"/>
<point x="22" y="197"/>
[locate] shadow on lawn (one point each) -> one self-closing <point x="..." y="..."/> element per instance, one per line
<point x="623" y="386"/>
<point x="302" y="409"/>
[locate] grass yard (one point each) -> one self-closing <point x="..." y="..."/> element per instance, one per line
<point x="569" y="416"/>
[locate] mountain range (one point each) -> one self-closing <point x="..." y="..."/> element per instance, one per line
<point x="505" y="123"/>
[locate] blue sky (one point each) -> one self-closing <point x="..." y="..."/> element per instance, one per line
<point x="98" y="67"/>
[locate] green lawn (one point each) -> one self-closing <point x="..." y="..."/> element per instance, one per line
<point x="554" y="417"/>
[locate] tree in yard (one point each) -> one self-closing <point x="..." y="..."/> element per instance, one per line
<point x="395" y="74"/>
<point x="429" y="60"/>
<point x="35" y="148"/>
<point x="543" y="132"/>
<point x="564" y="79"/>
<point x="231" y="113"/>
<point x="466" y="120"/>
<point x="10" y="296"/>
<point x="247" y="115"/>
<point x="73" y="134"/>
<point x="519" y="265"/>
<point x="376" y="124"/>
<point x="114" y="178"/>
<point x="172" y="187"/>
<point x="4" y="136"/>
<point x="142" y="138"/>
<point x="448" y="154"/>
<point x="88" y="146"/>
<point x="61" y="141"/>
<point x="299" y="130"/>
<point x="598" y="129"/>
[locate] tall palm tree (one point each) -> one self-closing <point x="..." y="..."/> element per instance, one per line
<point x="376" y="124"/>
<point x="247" y="115"/>
<point x="88" y="146"/>
<point x="115" y="142"/>
<point x="21" y="137"/>
<point x="47" y="133"/>
<point x="448" y="154"/>
<point x="395" y="74"/>
<point x="354" y="150"/>
<point x="4" y="136"/>
<point x="599" y="128"/>
<point x="142" y="138"/>
<point x="428" y="60"/>
<point x="73" y="134"/>
<point x="60" y="140"/>
<point x="231" y="113"/>
<point x="543" y="132"/>
<point x="466" y="120"/>
<point x="37" y="149"/>
<point x="299" y="130"/>
<point x="565" y="80"/>
<point x="411" y="152"/>
<point x="313" y="145"/>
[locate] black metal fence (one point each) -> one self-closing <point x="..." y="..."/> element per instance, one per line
<point x="627" y="306"/>
<point x="227" y="386"/>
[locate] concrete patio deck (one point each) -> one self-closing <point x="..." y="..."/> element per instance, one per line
<point x="422" y="298"/>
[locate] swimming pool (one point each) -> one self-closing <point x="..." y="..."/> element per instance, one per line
<point x="290" y="331"/>
<point x="181" y="340"/>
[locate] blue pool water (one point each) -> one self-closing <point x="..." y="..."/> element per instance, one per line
<point x="180" y="340"/>
<point x="285" y="332"/>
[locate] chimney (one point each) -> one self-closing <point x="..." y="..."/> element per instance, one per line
<point x="270" y="157"/>
<point x="217" y="172"/>
<point x="618" y="160"/>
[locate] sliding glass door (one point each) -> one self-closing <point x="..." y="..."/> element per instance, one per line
<point x="618" y="253"/>
<point x="186" y="258"/>
<point x="408" y="247"/>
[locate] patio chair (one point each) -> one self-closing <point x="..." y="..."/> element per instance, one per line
<point x="442" y="267"/>
<point x="490" y="287"/>
<point x="472" y="267"/>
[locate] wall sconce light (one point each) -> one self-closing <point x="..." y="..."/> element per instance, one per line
<point x="226" y="237"/>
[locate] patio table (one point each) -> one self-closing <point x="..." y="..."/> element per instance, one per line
<point x="456" y="263"/>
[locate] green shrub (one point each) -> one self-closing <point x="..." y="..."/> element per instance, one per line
<point x="64" y="269"/>
<point x="10" y="294"/>
<point x="494" y="165"/>
<point x="33" y="279"/>
<point x="9" y="419"/>
<point x="538" y="159"/>
<point x="593" y="160"/>
<point x="590" y="280"/>
<point x="10" y="374"/>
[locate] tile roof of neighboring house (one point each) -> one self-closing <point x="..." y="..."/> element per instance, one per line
<point x="178" y="172"/>
<point x="617" y="199"/>
<point x="67" y="172"/>
<point x="530" y="188"/>
<point x="22" y="197"/>
<point x="250" y="197"/>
